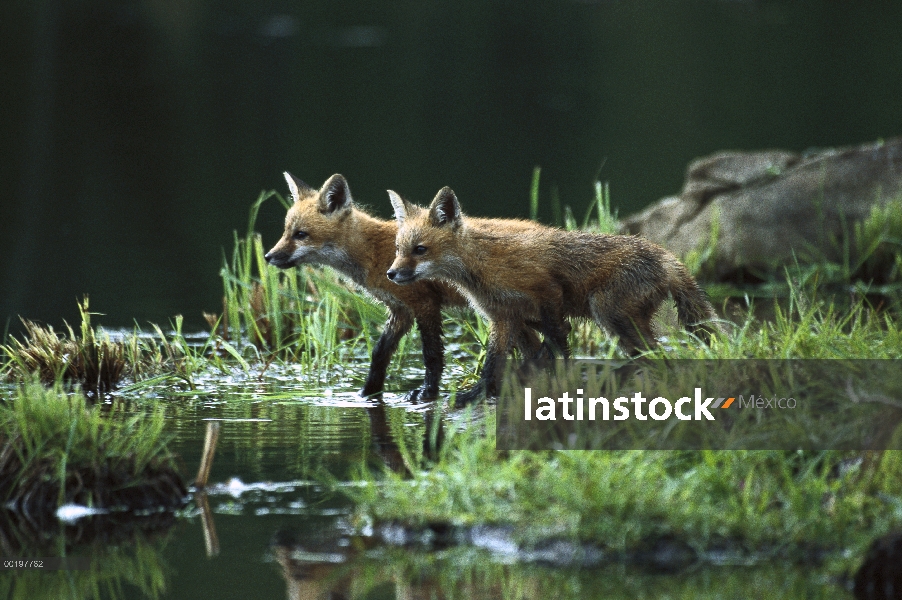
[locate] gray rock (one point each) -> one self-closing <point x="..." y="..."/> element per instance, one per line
<point x="772" y="206"/>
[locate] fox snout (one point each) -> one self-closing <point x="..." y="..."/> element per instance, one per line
<point x="400" y="276"/>
<point x="279" y="259"/>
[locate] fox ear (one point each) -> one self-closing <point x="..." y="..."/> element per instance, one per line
<point x="445" y="209"/>
<point x="297" y="187"/>
<point x="402" y="208"/>
<point x="335" y="195"/>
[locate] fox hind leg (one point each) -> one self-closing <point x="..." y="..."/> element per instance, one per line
<point x="500" y="341"/>
<point x="632" y="327"/>
<point x="556" y="329"/>
<point x="527" y="341"/>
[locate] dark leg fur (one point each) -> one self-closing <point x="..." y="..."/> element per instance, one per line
<point x="434" y="358"/>
<point x="473" y="394"/>
<point x="528" y="342"/>
<point x="621" y="326"/>
<point x="556" y="329"/>
<point x="616" y="308"/>
<point x="430" y="327"/>
<point x="496" y="356"/>
<point x="530" y="348"/>
<point x="397" y="326"/>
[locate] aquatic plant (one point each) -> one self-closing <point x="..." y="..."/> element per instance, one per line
<point x="99" y="362"/>
<point x="89" y="358"/>
<point x="55" y="449"/>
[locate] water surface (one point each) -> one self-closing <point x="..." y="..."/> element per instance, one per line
<point x="275" y="521"/>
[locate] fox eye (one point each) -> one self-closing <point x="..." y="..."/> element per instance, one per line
<point x="419" y="250"/>
<point x="299" y="235"/>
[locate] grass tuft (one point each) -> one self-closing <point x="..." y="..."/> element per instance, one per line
<point x="758" y="503"/>
<point x="89" y="358"/>
<point x="56" y="449"/>
<point x="303" y="314"/>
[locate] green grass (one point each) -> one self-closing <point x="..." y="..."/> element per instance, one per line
<point x="306" y="315"/>
<point x="762" y="502"/>
<point x="605" y="220"/>
<point x="51" y="439"/>
<point x="804" y="325"/>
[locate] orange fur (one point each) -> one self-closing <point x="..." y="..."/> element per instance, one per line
<point x="324" y="227"/>
<point x="512" y="269"/>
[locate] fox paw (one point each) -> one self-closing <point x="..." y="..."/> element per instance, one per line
<point x="472" y="395"/>
<point x="369" y="391"/>
<point x="421" y="394"/>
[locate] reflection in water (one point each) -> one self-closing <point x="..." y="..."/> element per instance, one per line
<point x="124" y="553"/>
<point x="211" y="437"/>
<point x="211" y="540"/>
<point x="330" y="568"/>
<point x="399" y="452"/>
<point x="384" y="444"/>
<point x="314" y="566"/>
<point x="286" y="533"/>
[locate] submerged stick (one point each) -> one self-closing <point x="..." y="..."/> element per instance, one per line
<point x="206" y="460"/>
<point x="211" y="540"/>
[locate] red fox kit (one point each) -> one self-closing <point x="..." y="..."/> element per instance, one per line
<point x="512" y="270"/>
<point x="324" y="227"/>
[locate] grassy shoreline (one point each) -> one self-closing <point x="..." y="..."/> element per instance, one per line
<point x="56" y="448"/>
<point x="772" y="503"/>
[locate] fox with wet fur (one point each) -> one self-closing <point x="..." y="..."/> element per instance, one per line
<point x="511" y="270"/>
<point x="324" y="227"/>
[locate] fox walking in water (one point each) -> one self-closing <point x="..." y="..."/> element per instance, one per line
<point x="324" y="227"/>
<point x="512" y="270"/>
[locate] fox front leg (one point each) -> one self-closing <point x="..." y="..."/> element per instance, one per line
<point x="399" y="323"/>
<point x="430" y="326"/>
<point x="500" y="341"/>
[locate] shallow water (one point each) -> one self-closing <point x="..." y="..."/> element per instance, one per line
<point x="274" y="521"/>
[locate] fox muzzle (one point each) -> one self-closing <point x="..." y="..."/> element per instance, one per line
<point x="401" y="276"/>
<point x="279" y="259"/>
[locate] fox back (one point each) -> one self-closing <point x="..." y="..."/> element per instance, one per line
<point x="511" y="267"/>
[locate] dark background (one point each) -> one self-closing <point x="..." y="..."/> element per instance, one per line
<point x="136" y="134"/>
